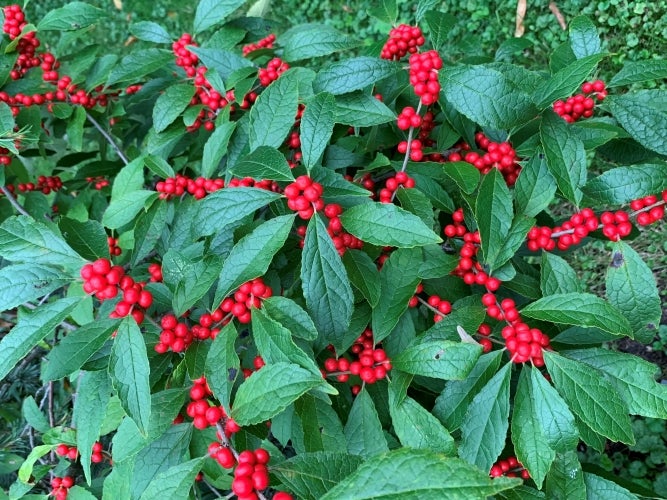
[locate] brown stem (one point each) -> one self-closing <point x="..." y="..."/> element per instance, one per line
<point x="559" y="16"/>
<point x="108" y="138"/>
<point x="13" y="201"/>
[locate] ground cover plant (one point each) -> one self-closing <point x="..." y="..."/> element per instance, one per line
<point x="253" y="265"/>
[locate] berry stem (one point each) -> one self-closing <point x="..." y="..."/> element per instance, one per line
<point x="13" y="201"/>
<point x="108" y="138"/>
<point x="407" y="151"/>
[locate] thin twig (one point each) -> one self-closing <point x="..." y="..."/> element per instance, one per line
<point x="210" y="487"/>
<point x="13" y="201"/>
<point x="559" y="16"/>
<point x="520" y="16"/>
<point x="108" y="138"/>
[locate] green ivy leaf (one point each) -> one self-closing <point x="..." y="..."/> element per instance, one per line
<point x="493" y="213"/>
<point x="417" y="474"/>
<point x="557" y="276"/>
<point x="216" y="147"/>
<point x="270" y="390"/>
<point x="30" y="329"/>
<point x="638" y="114"/>
<point x="590" y="397"/>
<point x="22" y="283"/>
<point x="345" y="76"/>
<point x="325" y="284"/>
<point x="621" y="185"/>
<point x="638" y="72"/>
<point x="583" y="309"/>
<point x="363" y="430"/>
<point x="272" y="115"/>
<point x="363" y="275"/>
<point x="584" y="38"/>
<point x="362" y="110"/>
<point x="312" y="40"/>
<point x="316" y="127"/>
<point x="442" y="359"/>
<point x="535" y="187"/>
<point x="210" y="13"/>
<point x="265" y="162"/>
<point x="129" y="370"/>
<point x="73" y="16"/>
<point x="484" y="429"/>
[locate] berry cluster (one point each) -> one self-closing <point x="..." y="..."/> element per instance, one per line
<point x="250" y="182"/>
<point x="468" y="268"/>
<point x="443" y="307"/>
<point x="247" y="297"/>
<point x="571" y="232"/>
<point x="14" y="21"/>
<point x="264" y="43"/>
<point x="500" y="155"/>
<point x="44" y="184"/>
<point x="114" y="249"/>
<point x="181" y="184"/>
<point x="581" y="105"/>
<point x="135" y="300"/>
<point x="304" y="196"/>
<point x="175" y="335"/>
<point x="616" y="225"/>
<point x="407" y="118"/>
<point x="71" y="452"/>
<point x="99" y="182"/>
<point x="97" y="456"/>
<point x="457" y="228"/>
<point x="342" y="240"/>
<point x="424" y="75"/>
<point x="251" y="474"/>
<point x="510" y="467"/>
<point x="391" y="185"/>
<point x="649" y="209"/>
<point x="370" y="366"/>
<point x="257" y="363"/>
<point x="414" y="300"/>
<point x="402" y="39"/>
<point x="155" y="271"/>
<point x="485" y="330"/>
<point x="60" y="487"/>
<point x="273" y="70"/>
<point x="416" y="153"/>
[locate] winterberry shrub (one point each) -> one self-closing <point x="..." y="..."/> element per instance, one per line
<point x="252" y="269"/>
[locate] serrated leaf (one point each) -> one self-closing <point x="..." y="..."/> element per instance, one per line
<point x="73" y="16"/>
<point x="88" y="238"/>
<point x="439" y="25"/>
<point x="150" y="32"/>
<point x="566" y="479"/>
<point x="398" y="281"/>
<point x="531" y="450"/>
<point x="621" y="185"/>
<point x="176" y="481"/>
<point x="171" y="104"/>
<point x="385" y="224"/>
<point x="515" y="238"/>
<point x="216" y="147"/>
<point x="584" y="38"/>
<point x="417" y="474"/>
<point x="441" y="359"/>
<point x="385" y="11"/>
<point x="136" y="65"/>
<point x="590" y="397"/>
<point x="270" y="390"/>
<point x="465" y="175"/>
<point x="22" y="283"/>
<point x="312" y="40"/>
<point x="129" y="370"/>
<point x="77" y="347"/>
<point x="122" y="210"/>
<point x="34" y="417"/>
<point x="31" y="329"/>
<point x="363" y="430"/>
<point x="638" y="72"/>
<point x="485" y="96"/>
<point x="222" y="365"/>
<point x="362" y="110"/>
<point x="416" y="428"/>
<point x="348" y="75"/>
<point x="583" y="309"/>
<point x="566" y="81"/>
<point x="311" y="475"/>
<point x="598" y="487"/>
<point x="291" y="316"/>
<point x="557" y="276"/>
<point x="317" y="123"/>
<point x="210" y="13"/>
<point x="337" y="188"/>
<point x="535" y="187"/>
<point x="148" y="230"/>
<point x="416" y="202"/>
<point x="641" y="118"/>
<point x="436" y="263"/>
<point x="195" y="280"/>
<point x="224" y="62"/>
<point x="272" y="115"/>
<point x="325" y="284"/>
<point x="252" y="255"/>
<point x="363" y="274"/>
<point x="265" y="162"/>
<point x="484" y="429"/>
<point x="493" y="213"/>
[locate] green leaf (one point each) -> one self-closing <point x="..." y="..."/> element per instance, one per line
<point x="621" y="185"/>
<point x="34" y="417"/>
<point x="566" y="479"/>
<point x="566" y="81"/>
<point x="398" y="281"/>
<point x="224" y="62"/>
<point x="484" y="429"/>
<point x="565" y="155"/>
<point x="88" y="238"/>
<point x="196" y="280"/>
<point x="385" y="224"/>
<point x="485" y="96"/>
<point x="25" y="471"/>
<point x="73" y="16"/>
<point x="529" y="445"/>
<point x="325" y="284"/>
<point x="270" y="390"/>
<point x="337" y="188"/>
<point x="535" y="187"/>
<point x="22" y="283"/>
<point x="272" y="115"/>
<point x="464" y="175"/>
<point x="31" y="329"/>
<point x="439" y="25"/>
<point x="452" y="403"/>
<point x="252" y="255"/>
<point x="316" y="127"/>
<point x="584" y="38"/>
<point x="159" y="166"/>
<point x="638" y="72"/>
<point x="590" y="397"/>
<point x="150" y="32"/>
<point x="148" y="230"/>
<point x="75" y="129"/>
<point x="222" y="365"/>
<point x="90" y="406"/>
<point x="557" y="276"/>
<point x="265" y="162"/>
<point x="363" y="430"/>
<point x="23" y="239"/>
<point x="77" y="347"/>
<point x="171" y="104"/>
<point x="358" y="109"/>
<point x="129" y="370"/>
<point x="136" y="65"/>
<point x="515" y="238"/>
<point x="436" y="263"/>
<point x="348" y="75"/>
<point x="637" y="114"/>
<point x="417" y="474"/>
<point x="312" y="40"/>
<point x="416" y="428"/>
<point x="597" y="487"/>
<point x="442" y="359"/>
<point x="583" y="309"/>
<point x="289" y="314"/>
<point x="216" y="147"/>
<point x="130" y="178"/>
<point x="176" y="481"/>
<point x="416" y="202"/>
<point x="493" y="212"/>
<point x="363" y="275"/>
<point x="631" y="288"/>
<point x="385" y="11"/>
<point x="213" y="12"/>
<point x="122" y="210"/>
